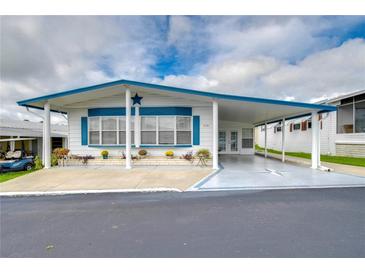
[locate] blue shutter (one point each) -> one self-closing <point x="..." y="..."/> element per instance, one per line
<point x="84" y="131"/>
<point x="196" y="130"/>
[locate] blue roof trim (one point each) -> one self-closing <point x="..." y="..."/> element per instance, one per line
<point x="179" y="90"/>
<point x="289" y="118"/>
<point x="43" y="109"/>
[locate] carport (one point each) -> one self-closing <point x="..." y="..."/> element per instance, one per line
<point x="226" y="120"/>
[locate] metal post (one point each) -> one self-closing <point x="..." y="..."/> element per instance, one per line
<point x="265" y="139"/>
<point x="315" y="140"/>
<point x="215" y="135"/>
<point x="137" y="127"/>
<point x="47" y="135"/>
<point x="128" y="157"/>
<point x="283" y="140"/>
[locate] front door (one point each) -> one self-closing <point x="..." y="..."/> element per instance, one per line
<point x="228" y="142"/>
<point x="233" y="146"/>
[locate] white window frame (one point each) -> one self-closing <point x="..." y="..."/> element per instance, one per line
<point x="100" y="118"/>
<point x="191" y="130"/>
<point x="102" y="130"/>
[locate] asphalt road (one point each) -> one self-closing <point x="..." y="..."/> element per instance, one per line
<point x="277" y="223"/>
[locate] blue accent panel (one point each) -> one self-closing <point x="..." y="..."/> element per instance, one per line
<point x="145" y="111"/>
<point x="84" y="131"/>
<point x="107" y="111"/>
<point x="196" y="130"/>
<point x="164" y="146"/>
<point x="142" y="146"/>
<point x="177" y="90"/>
<point x="187" y="111"/>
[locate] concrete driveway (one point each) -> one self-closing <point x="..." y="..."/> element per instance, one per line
<point x="256" y="172"/>
<point x="106" y="178"/>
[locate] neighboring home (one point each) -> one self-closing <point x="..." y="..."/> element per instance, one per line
<point x="342" y="132"/>
<point x="27" y="136"/>
<point x="124" y="116"/>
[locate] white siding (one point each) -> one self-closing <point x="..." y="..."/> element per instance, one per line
<point x="299" y="140"/>
<point x="229" y="126"/>
<point x="74" y="122"/>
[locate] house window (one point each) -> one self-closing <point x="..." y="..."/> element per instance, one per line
<point x="94" y="130"/>
<point x="183" y="130"/>
<point x="155" y="130"/>
<point x="351" y="115"/>
<point x="247" y="138"/>
<point x="296" y="126"/>
<point x="166" y="130"/>
<point x="122" y="131"/>
<point x="360" y="117"/>
<point x="148" y="130"/>
<point x="345" y="118"/>
<point x="109" y="130"/>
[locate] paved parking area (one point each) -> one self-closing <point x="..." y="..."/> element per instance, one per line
<point x="256" y="172"/>
<point x="106" y="178"/>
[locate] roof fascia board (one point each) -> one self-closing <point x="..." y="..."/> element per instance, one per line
<point x="212" y="95"/>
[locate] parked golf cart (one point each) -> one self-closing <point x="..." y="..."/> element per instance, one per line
<point x="16" y="161"/>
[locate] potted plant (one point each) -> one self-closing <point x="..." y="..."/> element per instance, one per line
<point x="60" y="154"/>
<point x="105" y="154"/>
<point x="203" y="153"/>
<point x="142" y="153"/>
<point x="169" y="154"/>
<point x="188" y="156"/>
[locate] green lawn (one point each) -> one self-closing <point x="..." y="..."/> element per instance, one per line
<point x="11" y="175"/>
<point x="352" y="161"/>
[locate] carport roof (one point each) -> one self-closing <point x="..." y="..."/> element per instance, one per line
<point x="282" y="108"/>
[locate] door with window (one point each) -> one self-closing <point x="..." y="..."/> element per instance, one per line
<point x="228" y="141"/>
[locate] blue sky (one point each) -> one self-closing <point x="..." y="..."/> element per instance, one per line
<point x="304" y="58"/>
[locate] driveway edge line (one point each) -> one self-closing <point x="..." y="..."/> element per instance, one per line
<point x="68" y="192"/>
<point x="281" y="188"/>
<point x="202" y="181"/>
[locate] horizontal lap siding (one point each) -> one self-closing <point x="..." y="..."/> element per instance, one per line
<point x="74" y="120"/>
<point x="298" y="140"/>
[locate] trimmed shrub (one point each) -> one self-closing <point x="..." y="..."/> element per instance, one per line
<point x="38" y="162"/>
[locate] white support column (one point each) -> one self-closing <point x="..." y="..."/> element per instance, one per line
<point x="215" y="135"/>
<point x="128" y="158"/>
<point x="265" y="139"/>
<point x="315" y="141"/>
<point x="47" y="136"/>
<point x="12" y="144"/>
<point x="42" y="140"/>
<point x="137" y="127"/>
<point x="283" y="140"/>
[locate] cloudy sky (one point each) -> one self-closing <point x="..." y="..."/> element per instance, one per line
<point x="294" y="58"/>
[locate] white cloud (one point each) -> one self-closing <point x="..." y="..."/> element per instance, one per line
<point x="291" y="58"/>
<point x="326" y="73"/>
<point x="46" y="54"/>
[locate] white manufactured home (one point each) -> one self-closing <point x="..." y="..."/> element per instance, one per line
<point x="124" y="116"/>
<point x="342" y="133"/>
